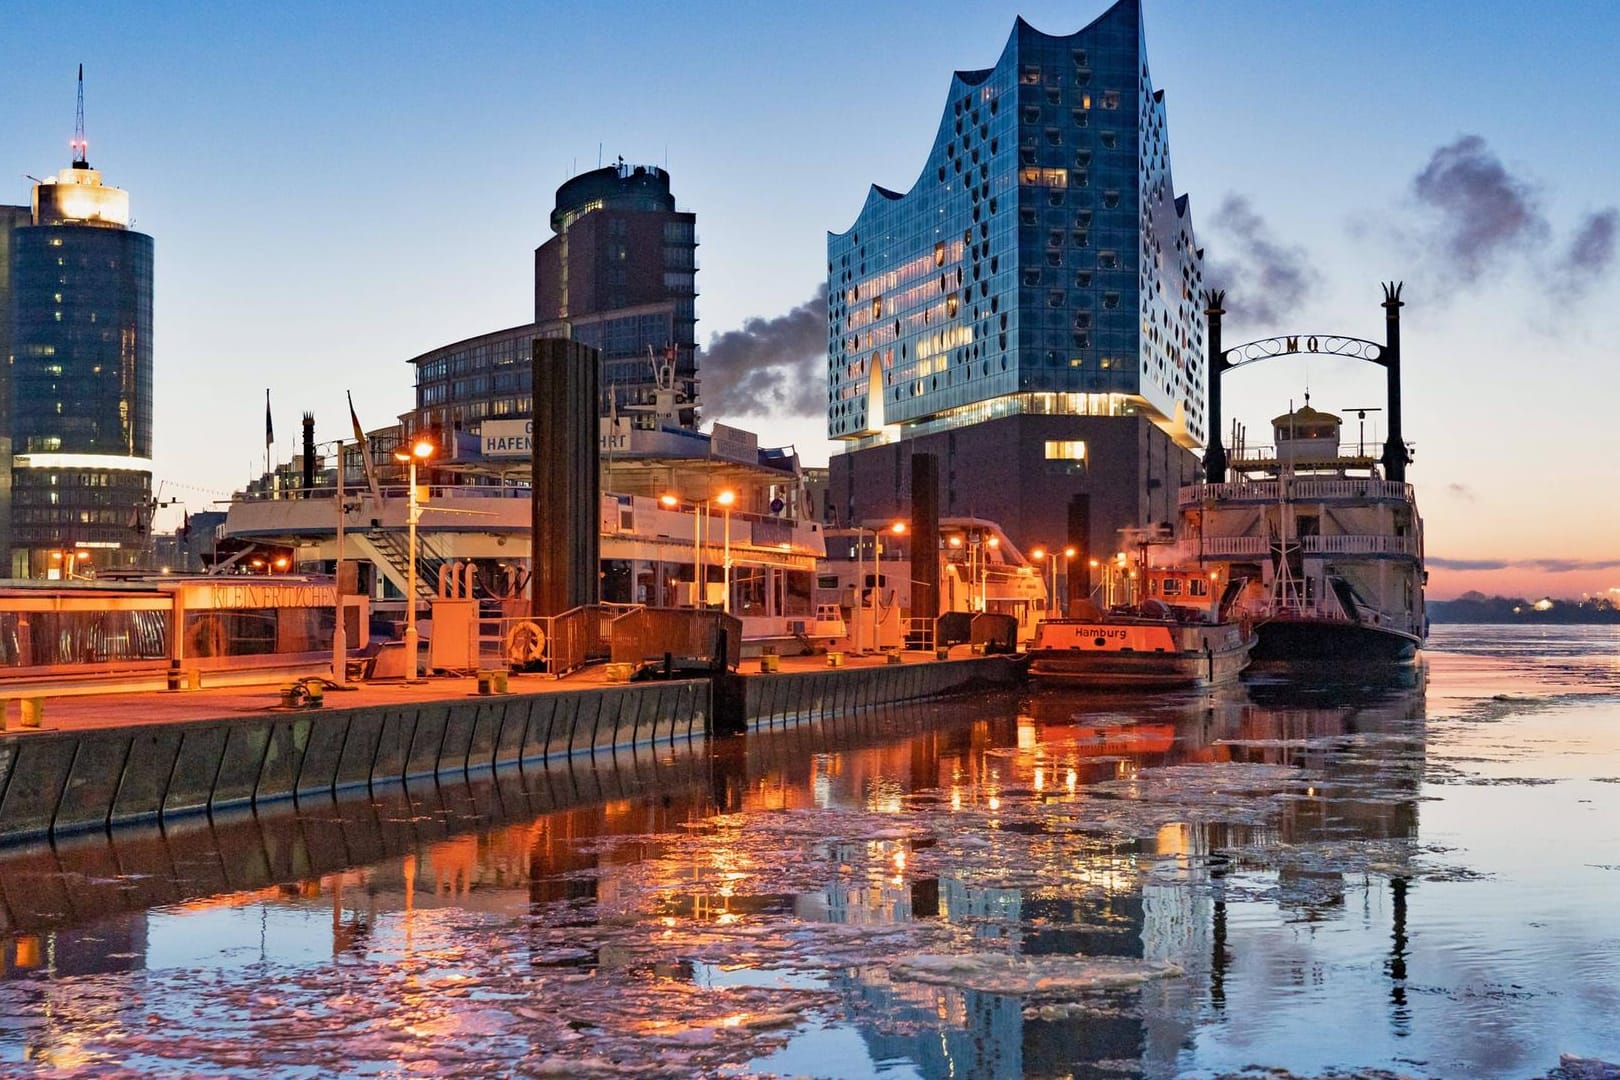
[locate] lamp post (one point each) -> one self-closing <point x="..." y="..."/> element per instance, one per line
<point x="898" y="528"/>
<point x="725" y="499"/>
<point x="1039" y="555"/>
<point x="419" y="450"/>
<point x="340" y="643"/>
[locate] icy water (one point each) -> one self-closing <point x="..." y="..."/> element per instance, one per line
<point x="1301" y="879"/>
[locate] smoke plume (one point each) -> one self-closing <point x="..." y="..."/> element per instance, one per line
<point x="770" y="367"/>
<point x="1591" y="250"/>
<point x="1479" y="211"/>
<point x="1265" y="281"/>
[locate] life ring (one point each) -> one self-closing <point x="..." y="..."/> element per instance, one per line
<point x="525" y="642"/>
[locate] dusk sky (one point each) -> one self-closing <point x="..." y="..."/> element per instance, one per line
<point x="335" y="189"/>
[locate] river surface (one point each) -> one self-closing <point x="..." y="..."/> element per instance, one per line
<point x="1281" y="879"/>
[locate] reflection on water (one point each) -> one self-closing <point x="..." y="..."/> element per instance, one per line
<point x="1307" y="875"/>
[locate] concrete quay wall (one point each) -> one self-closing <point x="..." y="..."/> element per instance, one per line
<point x="799" y="697"/>
<point x="58" y="783"/>
<point x="55" y="784"/>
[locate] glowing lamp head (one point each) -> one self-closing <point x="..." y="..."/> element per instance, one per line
<point x="726" y="498"/>
<point x="668" y="502"/>
<point x="898" y="528"/>
<point x="1038" y="554"/>
<point x="419" y="450"/>
<point x="956" y="541"/>
<point x="1070" y="552"/>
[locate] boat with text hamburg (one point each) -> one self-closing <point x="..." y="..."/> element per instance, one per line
<point x="1177" y="633"/>
<point x="1329" y="550"/>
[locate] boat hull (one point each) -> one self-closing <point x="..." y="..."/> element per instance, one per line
<point x="1331" y="642"/>
<point x="1137" y="655"/>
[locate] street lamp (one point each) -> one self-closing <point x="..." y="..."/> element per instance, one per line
<point x="898" y="528"/>
<point x="419" y="450"/>
<point x="725" y="499"/>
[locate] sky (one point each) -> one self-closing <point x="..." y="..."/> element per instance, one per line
<point x="335" y="189"/>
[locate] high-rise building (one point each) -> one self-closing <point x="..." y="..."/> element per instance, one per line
<point x="1029" y="310"/>
<point x="619" y="276"/>
<point x="621" y="273"/>
<point x="79" y="380"/>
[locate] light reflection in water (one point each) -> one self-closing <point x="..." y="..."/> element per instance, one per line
<point x="713" y="909"/>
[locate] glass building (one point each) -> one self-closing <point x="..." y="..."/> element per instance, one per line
<point x="79" y="381"/>
<point x="1041" y="273"/>
<point x="619" y="275"/>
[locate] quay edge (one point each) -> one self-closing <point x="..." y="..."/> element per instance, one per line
<point x="57" y="783"/>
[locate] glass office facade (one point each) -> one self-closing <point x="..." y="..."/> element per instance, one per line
<point x="1041" y="263"/>
<point x="80" y="392"/>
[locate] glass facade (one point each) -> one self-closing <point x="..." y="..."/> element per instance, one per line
<point x="79" y="386"/>
<point x="1042" y="261"/>
<point x="81" y="372"/>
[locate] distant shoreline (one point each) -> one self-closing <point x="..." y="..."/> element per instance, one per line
<point x="1498" y="610"/>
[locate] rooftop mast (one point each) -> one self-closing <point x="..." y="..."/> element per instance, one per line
<point x="81" y="148"/>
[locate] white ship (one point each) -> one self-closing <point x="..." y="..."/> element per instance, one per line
<point x="1329" y="553"/>
<point x="687" y="520"/>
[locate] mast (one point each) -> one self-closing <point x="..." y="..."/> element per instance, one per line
<point x="81" y="148"/>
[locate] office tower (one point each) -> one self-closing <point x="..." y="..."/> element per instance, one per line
<point x="620" y="273"/>
<point x="79" y="382"/>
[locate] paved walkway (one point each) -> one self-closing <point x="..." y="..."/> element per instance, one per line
<point x="80" y="711"/>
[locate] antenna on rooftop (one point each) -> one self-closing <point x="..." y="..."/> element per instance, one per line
<point x="81" y="148"/>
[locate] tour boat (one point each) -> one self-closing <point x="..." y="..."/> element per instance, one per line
<point x="1172" y="631"/>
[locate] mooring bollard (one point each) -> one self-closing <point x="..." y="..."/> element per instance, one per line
<point x="497" y="680"/>
<point x="486" y="682"/>
<point x="892" y="656"/>
<point x="770" y="662"/>
<point x="33" y="711"/>
<point x="835" y="659"/>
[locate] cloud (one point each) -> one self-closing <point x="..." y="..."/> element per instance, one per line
<point x="1545" y="566"/>
<point x="1479" y="210"/>
<point x="1265" y="281"/>
<point x="1590" y="251"/>
<point x="1476" y="219"/>
<point x="775" y="366"/>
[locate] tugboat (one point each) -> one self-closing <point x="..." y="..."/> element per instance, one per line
<point x="1177" y="634"/>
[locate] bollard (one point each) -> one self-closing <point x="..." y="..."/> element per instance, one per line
<point x="893" y="656"/>
<point x="314" y="693"/>
<point x="942" y="653"/>
<point x="485" y="682"/>
<point x="770" y="662"/>
<point x="835" y="659"/>
<point x="497" y="681"/>
<point x="176" y="677"/>
<point x="33" y="711"/>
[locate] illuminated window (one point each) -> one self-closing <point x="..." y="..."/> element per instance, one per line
<point x="1065" y="450"/>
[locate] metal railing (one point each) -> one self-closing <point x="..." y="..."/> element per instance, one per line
<point x="1299" y="490"/>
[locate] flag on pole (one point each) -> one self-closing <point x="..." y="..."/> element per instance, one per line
<point x="365" y="449"/>
<point x="269" y="424"/>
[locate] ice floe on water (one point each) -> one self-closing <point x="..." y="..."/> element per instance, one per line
<point x="1025" y="976"/>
